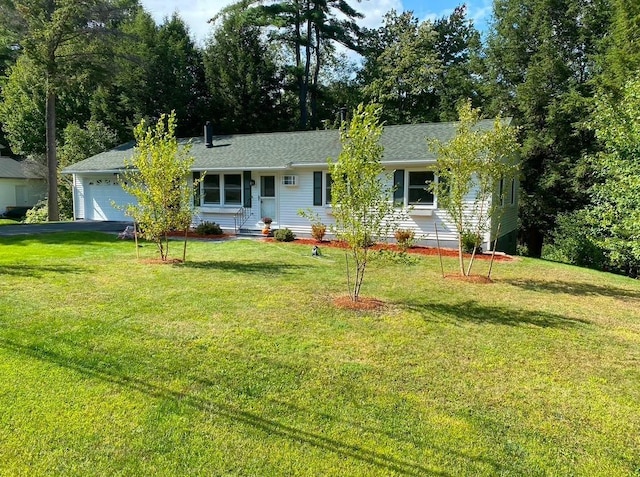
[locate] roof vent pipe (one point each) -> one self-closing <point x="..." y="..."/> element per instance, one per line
<point x="208" y="134"/>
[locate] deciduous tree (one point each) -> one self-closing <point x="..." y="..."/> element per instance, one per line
<point x="469" y="167"/>
<point x="615" y="212"/>
<point x="361" y="199"/>
<point x="158" y="177"/>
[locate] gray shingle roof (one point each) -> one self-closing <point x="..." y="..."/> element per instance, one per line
<point x="402" y="143"/>
<point x="12" y="169"/>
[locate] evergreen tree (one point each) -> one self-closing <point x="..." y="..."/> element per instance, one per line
<point x="540" y="60"/>
<point x="62" y="40"/>
<point x="243" y="77"/>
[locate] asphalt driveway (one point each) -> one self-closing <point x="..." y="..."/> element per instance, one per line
<point x="77" y="226"/>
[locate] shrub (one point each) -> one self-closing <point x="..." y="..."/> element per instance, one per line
<point x="38" y="214"/>
<point x="318" y="231"/>
<point x="284" y="235"/>
<point x="208" y="228"/>
<point x="573" y="242"/>
<point x="471" y="240"/>
<point x="405" y="238"/>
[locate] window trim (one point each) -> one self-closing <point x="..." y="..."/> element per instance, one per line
<point x="423" y="206"/>
<point x="327" y="185"/>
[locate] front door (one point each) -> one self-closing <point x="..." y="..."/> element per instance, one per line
<point x="268" y="197"/>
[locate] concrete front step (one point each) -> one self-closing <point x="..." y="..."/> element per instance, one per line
<point x="253" y="233"/>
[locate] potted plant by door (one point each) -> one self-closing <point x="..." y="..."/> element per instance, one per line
<point x="267" y="225"/>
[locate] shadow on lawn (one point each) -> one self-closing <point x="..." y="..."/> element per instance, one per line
<point x="573" y="288"/>
<point x="473" y="312"/>
<point x="60" y="238"/>
<point x="257" y="267"/>
<point x="384" y="462"/>
<point x="35" y="271"/>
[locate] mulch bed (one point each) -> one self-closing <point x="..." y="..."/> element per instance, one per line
<point x="418" y="250"/>
<point x="363" y="303"/>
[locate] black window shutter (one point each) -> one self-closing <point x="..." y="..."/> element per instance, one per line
<point x="398" y="184"/>
<point x="196" y="190"/>
<point x="246" y="181"/>
<point x="317" y="188"/>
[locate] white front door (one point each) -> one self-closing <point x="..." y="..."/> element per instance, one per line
<point x="268" y="197"/>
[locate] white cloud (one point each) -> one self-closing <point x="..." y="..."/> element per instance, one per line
<point x="196" y="13"/>
<point x="374" y="11"/>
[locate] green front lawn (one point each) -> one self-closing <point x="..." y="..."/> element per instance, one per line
<point x="8" y="222"/>
<point x="237" y="363"/>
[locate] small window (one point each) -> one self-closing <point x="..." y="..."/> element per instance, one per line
<point x="417" y="191"/>
<point x="290" y="180"/>
<point x="501" y="190"/>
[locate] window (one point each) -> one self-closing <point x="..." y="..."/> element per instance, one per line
<point x="417" y="184"/>
<point x="513" y="191"/>
<point x="289" y="180"/>
<point x="327" y="192"/>
<point x="222" y="190"/>
<point x="233" y="189"/>
<point x="411" y="188"/>
<point x="211" y="189"/>
<point x="322" y="188"/>
<point x="501" y="191"/>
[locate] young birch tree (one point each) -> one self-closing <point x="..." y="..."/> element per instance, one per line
<point x="469" y="168"/>
<point x="158" y="177"/>
<point x="360" y="199"/>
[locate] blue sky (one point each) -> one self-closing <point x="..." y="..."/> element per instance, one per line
<point x="197" y="12"/>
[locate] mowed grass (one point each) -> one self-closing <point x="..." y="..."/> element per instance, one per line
<point x="237" y="363"/>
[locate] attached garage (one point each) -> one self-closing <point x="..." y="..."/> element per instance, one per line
<point x="102" y="198"/>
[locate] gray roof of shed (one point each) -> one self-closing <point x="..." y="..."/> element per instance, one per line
<point x="280" y="150"/>
<point x="12" y="169"/>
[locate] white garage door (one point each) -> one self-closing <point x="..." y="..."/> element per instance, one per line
<point x="102" y="196"/>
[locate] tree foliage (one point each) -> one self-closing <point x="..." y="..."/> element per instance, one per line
<point x="419" y="71"/>
<point x="156" y="68"/>
<point x="540" y="66"/>
<point x="615" y="211"/>
<point x="77" y="143"/>
<point x="61" y="41"/>
<point x="619" y="60"/>
<point x="243" y="76"/>
<point x="158" y="177"/>
<point x="469" y="167"/>
<point x="361" y="200"/>
<point x="307" y="30"/>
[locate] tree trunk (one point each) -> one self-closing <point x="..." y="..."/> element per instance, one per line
<point x="52" y="160"/>
<point x="314" y="82"/>
<point x="302" y="97"/>
<point x="304" y="92"/>
<point x="460" y="256"/>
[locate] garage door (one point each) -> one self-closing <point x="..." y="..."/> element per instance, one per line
<point x="102" y="196"/>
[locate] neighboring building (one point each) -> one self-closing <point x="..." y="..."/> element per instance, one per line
<point x="251" y="176"/>
<point x="22" y="184"/>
